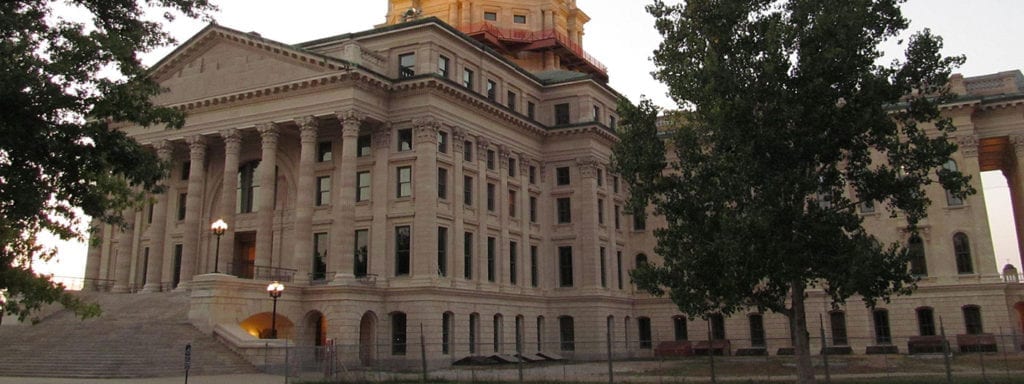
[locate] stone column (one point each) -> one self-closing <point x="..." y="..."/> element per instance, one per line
<point x="267" y="176"/>
<point x="229" y="195"/>
<point x="504" y="217"/>
<point x="380" y="264"/>
<point x="123" y="264"/>
<point x="303" y="249"/>
<point x="193" y="207"/>
<point x="424" y="228"/>
<point x="982" y="253"/>
<point x="157" y="231"/>
<point x="94" y="257"/>
<point x="343" y="237"/>
<point x="524" y="265"/>
<point x="456" y="263"/>
<point x="584" y="220"/>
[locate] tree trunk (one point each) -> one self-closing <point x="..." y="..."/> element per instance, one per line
<point x="801" y="340"/>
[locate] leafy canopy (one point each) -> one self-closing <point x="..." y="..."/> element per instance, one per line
<point x="788" y="124"/>
<point x="62" y="85"/>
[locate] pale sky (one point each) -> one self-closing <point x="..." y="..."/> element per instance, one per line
<point x="621" y="35"/>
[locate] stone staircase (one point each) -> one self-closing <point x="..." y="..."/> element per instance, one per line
<point x="138" y="335"/>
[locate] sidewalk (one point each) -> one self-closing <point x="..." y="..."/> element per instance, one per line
<point x="246" y="379"/>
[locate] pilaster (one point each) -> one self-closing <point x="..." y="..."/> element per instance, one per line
<point x="157" y="231"/>
<point x="379" y="262"/>
<point x="343" y="262"/>
<point x="424" y="229"/>
<point x="584" y="207"/>
<point x="229" y="196"/>
<point x="303" y="235"/>
<point x="193" y="207"/>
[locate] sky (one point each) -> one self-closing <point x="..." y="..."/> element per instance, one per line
<point x="621" y="35"/>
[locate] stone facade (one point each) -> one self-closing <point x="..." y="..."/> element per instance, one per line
<point x="409" y="175"/>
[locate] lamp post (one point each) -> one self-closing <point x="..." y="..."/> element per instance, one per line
<point x="274" y="289"/>
<point x="218" y="227"/>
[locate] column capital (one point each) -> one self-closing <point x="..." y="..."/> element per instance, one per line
<point x="231" y="136"/>
<point x="524" y="163"/>
<point x="164" y="149"/>
<point x="1018" y="144"/>
<point x="269" y="132"/>
<point x="503" y="155"/>
<point x="588" y="166"/>
<point x="968" y="145"/>
<point x="350" y="116"/>
<point x="458" y="134"/>
<point x="308" y="126"/>
<point x="482" y="142"/>
<point x="426" y="129"/>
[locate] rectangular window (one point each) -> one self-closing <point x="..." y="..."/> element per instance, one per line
<point x="467" y="190"/>
<point x="512" y="167"/>
<point x="612" y="123"/>
<point x="562" y="176"/>
<point x="404" y="140"/>
<point x="365" y="144"/>
<point x="618" y="265"/>
<point x="467" y="78"/>
<point x="639" y="221"/>
<point x="442" y="142"/>
<point x="149" y="214"/>
<point x="406" y="65"/>
<point x="323" y="191"/>
<point x="179" y="249"/>
<point x="442" y="184"/>
<point x="442" y="66"/>
<point x="491" y="159"/>
<point x="882" y="335"/>
<point x="467" y="151"/>
<point x="615" y="184"/>
<point x="403" y="238"/>
<point x="531" y="110"/>
<point x="757" y="338"/>
<point x="563" y="207"/>
<point x="474" y="328"/>
<point x="442" y="251"/>
<point x="512" y="206"/>
<point x="186" y="169"/>
<point x="492" y="90"/>
<point x="519" y="19"/>
<point x="837" y="320"/>
<point x="404" y="182"/>
<point x="467" y="255"/>
<point x="361" y="252"/>
<point x="562" y="114"/>
<point x="324" y="151"/>
<point x="446" y="333"/>
<point x="618" y="220"/>
<point x="600" y="177"/>
<point x="490" y="258"/>
<point x="510" y="100"/>
<point x="566" y="333"/>
<point x="320" y="243"/>
<point x="679" y="328"/>
<point x="490" y="197"/>
<point x="491" y="16"/>
<point x="363" y="186"/>
<point x="602" y="253"/>
<point x="926" y="322"/>
<point x="717" y="326"/>
<point x="565" y="266"/>
<point x="972" y="320"/>
<point x="600" y="211"/>
<point x="597" y="114"/>
<point x="513" y="254"/>
<point x="533" y="209"/>
<point x="533" y="174"/>
<point x="534" y="269"/>
<point x="182" y="205"/>
<point x="644" y="332"/>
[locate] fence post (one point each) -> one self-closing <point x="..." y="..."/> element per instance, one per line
<point x="824" y="349"/>
<point x="608" y="336"/>
<point x="711" y="351"/>
<point x="945" y="351"/>
<point x="286" y="366"/>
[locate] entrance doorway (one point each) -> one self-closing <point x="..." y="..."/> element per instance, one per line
<point x="367" y="339"/>
<point x="244" y="261"/>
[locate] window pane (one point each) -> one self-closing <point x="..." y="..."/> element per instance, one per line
<point x="565" y="273"/>
<point x="402" y="244"/>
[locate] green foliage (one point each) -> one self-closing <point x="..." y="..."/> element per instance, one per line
<point x="789" y="124"/>
<point x="61" y="154"/>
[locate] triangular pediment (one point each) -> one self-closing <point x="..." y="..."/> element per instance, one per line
<point x="220" y="61"/>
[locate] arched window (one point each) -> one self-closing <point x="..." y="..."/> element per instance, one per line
<point x="837" y="320"/>
<point x="398" y="333"/>
<point x="972" y="320"/>
<point x="882" y="334"/>
<point x="926" y="321"/>
<point x="641" y="259"/>
<point x="915" y="249"/>
<point x="566" y="333"/>
<point x="962" y="250"/>
<point x="644" y="332"/>
<point x="757" y="338"/>
<point x="679" y="328"/>
<point x="446" y="332"/>
<point x="498" y="333"/>
<point x="951" y="200"/>
<point x="474" y="332"/>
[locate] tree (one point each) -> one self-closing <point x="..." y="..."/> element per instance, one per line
<point x="63" y="86"/>
<point x="787" y="125"/>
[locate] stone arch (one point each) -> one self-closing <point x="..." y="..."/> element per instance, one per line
<point x="368" y="338"/>
<point x="259" y="325"/>
<point x="314" y="329"/>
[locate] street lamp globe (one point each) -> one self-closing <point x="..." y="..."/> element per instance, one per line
<point x="275" y="290"/>
<point x="218" y="227"/>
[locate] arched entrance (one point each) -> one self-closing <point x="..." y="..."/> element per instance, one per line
<point x="259" y="325"/>
<point x="367" y="339"/>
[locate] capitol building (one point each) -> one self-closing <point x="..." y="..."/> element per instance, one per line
<point x="445" y="176"/>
